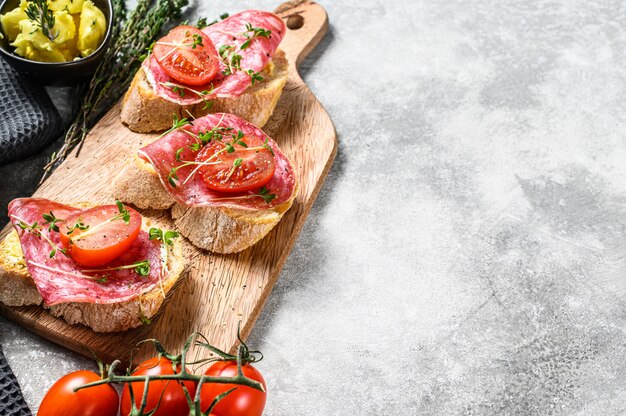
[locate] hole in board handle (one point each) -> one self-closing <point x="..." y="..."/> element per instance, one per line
<point x="295" y="22"/>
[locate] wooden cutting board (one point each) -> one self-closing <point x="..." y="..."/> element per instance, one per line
<point x="217" y="291"/>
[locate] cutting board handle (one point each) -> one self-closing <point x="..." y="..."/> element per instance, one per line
<point x="307" y="23"/>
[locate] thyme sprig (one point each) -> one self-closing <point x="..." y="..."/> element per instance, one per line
<point x="131" y="33"/>
<point x="38" y="12"/>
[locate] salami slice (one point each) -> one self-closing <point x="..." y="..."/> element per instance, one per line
<point x="59" y="279"/>
<point x="190" y="189"/>
<point x="229" y="36"/>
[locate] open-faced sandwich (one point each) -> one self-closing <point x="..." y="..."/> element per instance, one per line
<point x="102" y="266"/>
<point x="227" y="182"/>
<point x="232" y="66"/>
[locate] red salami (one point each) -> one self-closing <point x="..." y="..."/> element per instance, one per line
<point x="59" y="279"/>
<point x="229" y="36"/>
<point x="176" y="149"/>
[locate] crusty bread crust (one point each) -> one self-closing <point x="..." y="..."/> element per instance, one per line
<point x="143" y="111"/>
<point x="226" y="230"/>
<point x="17" y="288"/>
<point x="138" y="184"/>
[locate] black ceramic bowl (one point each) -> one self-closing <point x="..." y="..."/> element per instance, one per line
<point x="56" y="73"/>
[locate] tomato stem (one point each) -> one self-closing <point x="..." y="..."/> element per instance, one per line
<point x="243" y="357"/>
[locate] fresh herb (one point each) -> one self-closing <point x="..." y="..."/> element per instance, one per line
<point x="78" y="226"/>
<point x="145" y="320"/>
<point x="176" y="124"/>
<point x="263" y="193"/>
<point x="38" y="12"/>
<point x="231" y="59"/>
<point x="36" y="230"/>
<point x="230" y="146"/>
<point x="131" y="33"/>
<point x="237" y="162"/>
<point x="164" y="237"/>
<point x="266" y="195"/>
<point x="201" y="23"/>
<point x="254" y="76"/>
<point x="180" y="89"/>
<point x="124" y="214"/>
<point x="254" y="32"/>
<point x="51" y="221"/>
<point x="142" y="268"/>
<point x="197" y="41"/>
<point x="178" y="152"/>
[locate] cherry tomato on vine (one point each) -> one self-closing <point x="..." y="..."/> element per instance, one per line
<point x="244" y="401"/>
<point x="187" y="55"/>
<point x="92" y="238"/>
<point x="173" y="400"/>
<point x="243" y="169"/>
<point x="61" y="400"/>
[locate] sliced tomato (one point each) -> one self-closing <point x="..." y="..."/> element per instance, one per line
<point x="187" y="55"/>
<point x="99" y="235"/>
<point x="244" y="169"/>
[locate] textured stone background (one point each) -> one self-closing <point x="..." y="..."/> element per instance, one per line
<point x="467" y="252"/>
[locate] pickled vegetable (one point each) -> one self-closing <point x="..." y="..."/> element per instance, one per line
<point x="92" y="29"/>
<point x="79" y="29"/>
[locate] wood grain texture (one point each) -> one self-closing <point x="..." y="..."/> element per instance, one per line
<point x="217" y="291"/>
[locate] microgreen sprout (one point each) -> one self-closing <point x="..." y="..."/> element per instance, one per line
<point x="142" y="268"/>
<point x="254" y="32"/>
<point x="36" y="230"/>
<point x="51" y="221"/>
<point x="254" y="76"/>
<point x="163" y="236"/>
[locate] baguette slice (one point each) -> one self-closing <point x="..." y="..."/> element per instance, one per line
<point x="17" y="288"/>
<point x="143" y="111"/>
<point x="218" y="229"/>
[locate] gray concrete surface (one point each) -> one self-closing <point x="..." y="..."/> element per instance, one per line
<point x="467" y="254"/>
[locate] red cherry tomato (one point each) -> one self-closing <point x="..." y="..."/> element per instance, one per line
<point x="238" y="171"/>
<point x="173" y="401"/>
<point x="187" y="55"/>
<point x="101" y="240"/>
<point x="93" y="401"/>
<point x="244" y="401"/>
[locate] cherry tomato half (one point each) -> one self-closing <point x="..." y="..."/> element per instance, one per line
<point x="245" y="169"/>
<point x="93" y="401"/>
<point x="92" y="238"/>
<point x="173" y="401"/>
<point x="244" y="401"/>
<point x="187" y="55"/>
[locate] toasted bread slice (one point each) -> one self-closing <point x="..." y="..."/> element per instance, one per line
<point x="217" y="229"/>
<point x="143" y="111"/>
<point x="17" y="288"/>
